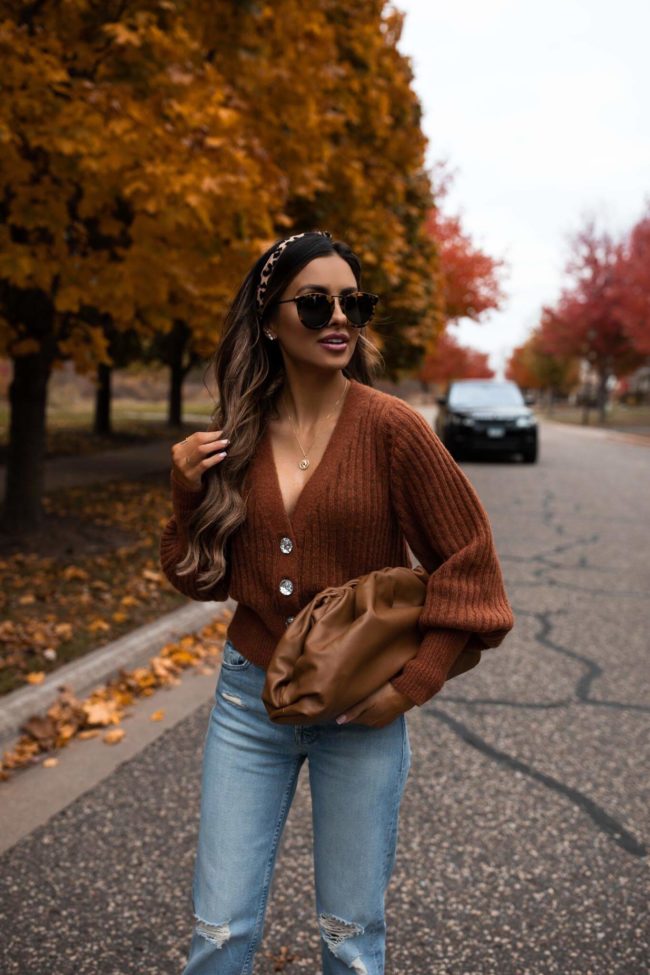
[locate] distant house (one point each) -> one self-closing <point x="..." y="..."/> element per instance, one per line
<point x="635" y="388"/>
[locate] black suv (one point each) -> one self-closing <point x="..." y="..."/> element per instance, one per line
<point x="486" y="415"/>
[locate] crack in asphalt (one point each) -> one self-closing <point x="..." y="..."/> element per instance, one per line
<point x="545" y="706"/>
<point x="607" y="824"/>
<point x="545" y="565"/>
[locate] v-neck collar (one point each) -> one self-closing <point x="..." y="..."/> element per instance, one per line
<point x="336" y="443"/>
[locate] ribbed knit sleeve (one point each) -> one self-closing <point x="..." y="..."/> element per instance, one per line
<point x="173" y="543"/>
<point x="448" y="530"/>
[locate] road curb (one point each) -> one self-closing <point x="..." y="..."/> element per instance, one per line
<point x="607" y="433"/>
<point x="97" y="667"/>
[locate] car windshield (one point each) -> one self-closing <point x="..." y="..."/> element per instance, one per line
<point x="462" y="395"/>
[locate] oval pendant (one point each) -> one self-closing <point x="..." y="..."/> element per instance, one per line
<point x="304" y="464"/>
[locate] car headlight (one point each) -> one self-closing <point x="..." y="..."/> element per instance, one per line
<point x="461" y="421"/>
<point x="525" y="421"/>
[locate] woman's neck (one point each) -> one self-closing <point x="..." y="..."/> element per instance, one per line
<point x="308" y="402"/>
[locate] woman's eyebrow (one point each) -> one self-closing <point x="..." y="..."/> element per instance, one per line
<point x="322" y="288"/>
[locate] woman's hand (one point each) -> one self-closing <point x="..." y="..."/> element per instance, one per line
<point x="379" y="708"/>
<point x="192" y="456"/>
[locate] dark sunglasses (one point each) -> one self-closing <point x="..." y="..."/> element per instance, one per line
<point x="315" y="310"/>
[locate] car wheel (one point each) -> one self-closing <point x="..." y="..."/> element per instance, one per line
<point x="530" y="455"/>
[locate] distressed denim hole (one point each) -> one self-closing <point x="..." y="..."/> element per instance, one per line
<point x="217" y="934"/>
<point x="237" y="701"/>
<point x="335" y="932"/>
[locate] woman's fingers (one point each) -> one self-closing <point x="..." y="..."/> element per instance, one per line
<point x="192" y="456"/>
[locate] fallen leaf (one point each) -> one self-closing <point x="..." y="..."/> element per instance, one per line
<point x="36" y="677"/>
<point x="41" y="729"/>
<point x="97" y="624"/>
<point x="152" y="576"/>
<point x="100" y="712"/>
<point x="114" y="736"/>
<point x="66" y="731"/>
<point x="74" y="572"/>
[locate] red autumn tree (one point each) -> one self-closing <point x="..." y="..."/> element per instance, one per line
<point x="470" y="277"/>
<point x="588" y="320"/>
<point x="634" y="278"/>
<point x="532" y="367"/>
<point x="469" y="285"/>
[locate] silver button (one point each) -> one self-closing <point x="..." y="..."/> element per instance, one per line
<point x="286" y="587"/>
<point x="286" y="545"/>
<point x="289" y="619"/>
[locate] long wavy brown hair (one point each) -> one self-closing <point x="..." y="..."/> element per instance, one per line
<point x="248" y="376"/>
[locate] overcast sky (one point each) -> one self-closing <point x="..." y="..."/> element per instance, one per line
<point x="543" y="112"/>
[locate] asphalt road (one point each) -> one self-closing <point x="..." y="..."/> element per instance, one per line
<point x="524" y="832"/>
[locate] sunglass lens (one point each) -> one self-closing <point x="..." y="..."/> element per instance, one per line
<point x="359" y="308"/>
<point x="314" y="310"/>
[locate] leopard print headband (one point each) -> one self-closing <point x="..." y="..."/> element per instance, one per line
<point x="272" y="260"/>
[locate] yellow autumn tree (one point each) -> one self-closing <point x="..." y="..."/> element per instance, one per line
<point x="376" y="190"/>
<point x="333" y="71"/>
<point x="130" y="193"/>
<point x="151" y="150"/>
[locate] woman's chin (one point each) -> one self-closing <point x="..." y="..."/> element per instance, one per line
<point x="321" y="362"/>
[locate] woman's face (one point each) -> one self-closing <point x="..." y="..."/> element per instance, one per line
<point x="331" y="275"/>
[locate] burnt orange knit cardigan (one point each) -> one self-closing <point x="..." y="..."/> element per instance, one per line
<point x="384" y="480"/>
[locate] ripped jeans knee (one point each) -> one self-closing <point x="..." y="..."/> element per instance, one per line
<point x="338" y="934"/>
<point x="217" y="934"/>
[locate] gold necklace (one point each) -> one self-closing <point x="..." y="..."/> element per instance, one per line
<point x="304" y="463"/>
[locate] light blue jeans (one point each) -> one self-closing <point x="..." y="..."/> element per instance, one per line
<point x="357" y="776"/>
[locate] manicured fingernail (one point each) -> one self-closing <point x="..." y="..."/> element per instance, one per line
<point x="341" y="718"/>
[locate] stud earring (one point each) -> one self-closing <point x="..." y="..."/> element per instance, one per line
<point x="268" y="335"/>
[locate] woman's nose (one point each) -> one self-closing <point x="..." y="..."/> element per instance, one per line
<point x="338" y="315"/>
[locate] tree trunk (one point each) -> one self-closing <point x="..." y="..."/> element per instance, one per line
<point x="586" y="402"/>
<point x="175" y="406"/>
<point x="603" y="376"/>
<point x="25" y="472"/>
<point x="177" y="372"/>
<point x="102" y="420"/>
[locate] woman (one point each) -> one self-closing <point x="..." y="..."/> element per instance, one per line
<point x="310" y="478"/>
